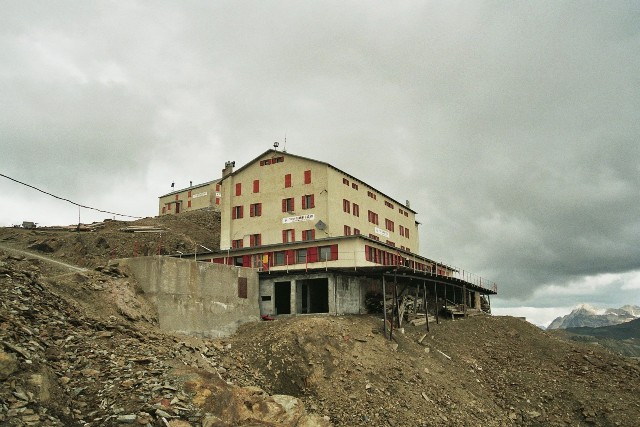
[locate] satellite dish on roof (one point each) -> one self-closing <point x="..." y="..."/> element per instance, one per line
<point x="321" y="225"/>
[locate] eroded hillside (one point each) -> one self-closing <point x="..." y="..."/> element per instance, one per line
<point x="82" y="347"/>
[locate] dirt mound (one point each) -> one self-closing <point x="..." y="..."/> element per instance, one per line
<point x="493" y="371"/>
<point x="98" y="243"/>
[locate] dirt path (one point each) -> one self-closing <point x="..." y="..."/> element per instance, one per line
<point x="43" y="258"/>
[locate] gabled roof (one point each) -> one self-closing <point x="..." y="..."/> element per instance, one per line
<point x="193" y="187"/>
<point x="272" y="152"/>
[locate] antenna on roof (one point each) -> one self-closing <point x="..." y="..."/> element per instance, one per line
<point x="284" y="150"/>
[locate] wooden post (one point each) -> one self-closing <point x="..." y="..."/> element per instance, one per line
<point x="464" y="293"/>
<point x="435" y="291"/>
<point x="425" y="304"/>
<point x="384" y="305"/>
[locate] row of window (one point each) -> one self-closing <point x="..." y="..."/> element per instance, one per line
<point x="272" y="161"/>
<point x="347" y="231"/>
<point x="345" y="181"/>
<point x="287" y="183"/>
<point x="289" y="257"/>
<point x="346" y="207"/>
<point x="289" y="235"/>
<point x="380" y="256"/>
<point x="288" y="205"/>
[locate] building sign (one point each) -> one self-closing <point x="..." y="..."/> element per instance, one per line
<point x="218" y="194"/>
<point x="382" y="232"/>
<point x="204" y="193"/>
<point x="299" y="218"/>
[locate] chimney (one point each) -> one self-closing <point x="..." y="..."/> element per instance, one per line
<point x="228" y="169"/>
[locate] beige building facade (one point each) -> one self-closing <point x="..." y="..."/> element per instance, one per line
<point x="199" y="196"/>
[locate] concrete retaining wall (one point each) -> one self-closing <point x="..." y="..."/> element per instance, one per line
<point x="197" y="298"/>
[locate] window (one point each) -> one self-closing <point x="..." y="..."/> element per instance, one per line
<point x="279" y="258"/>
<point x="189" y="193"/>
<point x="372" y="195"/>
<point x="288" y="205"/>
<point x="345" y="181"/>
<point x="301" y="256"/>
<point x="177" y="197"/>
<point x="406" y="233"/>
<point x="265" y="162"/>
<point x="256" y="185"/>
<point x="389" y="204"/>
<point x="400" y="210"/>
<point x="255" y="209"/>
<point x="188" y="203"/>
<point x="346" y="206"/>
<point x="242" y="287"/>
<point x="406" y="213"/>
<point x="255" y="240"/>
<point x="308" y="234"/>
<point x="328" y="253"/>
<point x="237" y="212"/>
<point x="164" y="209"/>
<point x="390" y="243"/>
<point x="278" y="159"/>
<point x="388" y="224"/>
<point x="354" y="185"/>
<point x="402" y="231"/>
<point x="168" y="206"/>
<point x="307" y="177"/>
<point x="372" y="217"/>
<point x="308" y="202"/>
<point x="374" y="237"/>
<point x="237" y="244"/>
<point x="356" y="231"/>
<point x="287" y="180"/>
<point x="347" y="230"/>
<point x="356" y="210"/>
<point x="288" y="236"/>
<point x="239" y="189"/>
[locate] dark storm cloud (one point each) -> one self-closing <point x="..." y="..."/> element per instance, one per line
<point x="512" y="128"/>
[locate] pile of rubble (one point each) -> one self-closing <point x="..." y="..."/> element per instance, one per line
<point x="62" y="366"/>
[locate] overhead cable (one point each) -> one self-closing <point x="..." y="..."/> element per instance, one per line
<point x="67" y="200"/>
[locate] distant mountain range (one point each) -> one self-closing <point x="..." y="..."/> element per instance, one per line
<point x="623" y="338"/>
<point x="591" y="317"/>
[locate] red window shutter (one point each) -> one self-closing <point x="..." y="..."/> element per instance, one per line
<point x="334" y="252"/>
<point x="217" y="187"/>
<point x="246" y="261"/>
<point x="233" y="212"/>
<point x="188" y="203"/>
<point x="307" y="177"/>
<point x="313" y="203"/>
<point x="241" y="211"/>
<point x="238" y="189"/>
<point x="290" y="257"/>
<point x="312" y="255"/>
<point x="287" y="180"/>
<point x="256" y="186"/>
<point x="251" y="211"/>
<point x="258" y="239"/>
<point x="259" y="206"/>
<point x="313" y="234"/>
<point x="304" y="202"/>
<point x="189" y="193"/>
<point x="284" y="205"/>
<point x="176" y="197"/>
<point x="284" y="236"/>
<point x="293" y="235"/>
<point x="252" y="240"/>
<point x="217" y="200"/>
<point x="367" y="255"/>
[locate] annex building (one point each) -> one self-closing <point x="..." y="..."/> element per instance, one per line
<point x="323" y="240"/>
<point x="199" y="196"/>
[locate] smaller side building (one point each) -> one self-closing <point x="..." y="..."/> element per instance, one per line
<point x="194" y="197"/>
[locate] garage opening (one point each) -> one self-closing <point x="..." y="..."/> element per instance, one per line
<point x="312" y="296"/>
<point x="282" y="291"/>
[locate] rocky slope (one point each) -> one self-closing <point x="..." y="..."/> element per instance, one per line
<point x="81" y="347"/>
<point x="586" y="316"/>
<point x="623" y="338"/>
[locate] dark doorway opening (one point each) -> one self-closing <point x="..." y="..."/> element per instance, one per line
<point x="312" y="296"/>
<point x="282" y="291"/>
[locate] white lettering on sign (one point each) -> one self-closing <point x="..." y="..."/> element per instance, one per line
<point x="299" y="218"/>
<point x="199" y="195"/>
<point x="381" y="232"/>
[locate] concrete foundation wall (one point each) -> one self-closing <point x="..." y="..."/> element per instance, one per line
<point x="197" y="298"/>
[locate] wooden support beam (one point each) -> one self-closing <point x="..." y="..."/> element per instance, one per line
<point x="384" y="305"/>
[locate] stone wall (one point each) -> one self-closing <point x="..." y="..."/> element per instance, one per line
<point x="197" y="298"/>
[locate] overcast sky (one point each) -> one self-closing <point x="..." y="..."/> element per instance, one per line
<point x="512" y="127"/>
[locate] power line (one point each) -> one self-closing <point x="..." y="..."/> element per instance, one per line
<point x="67" y="200"/>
